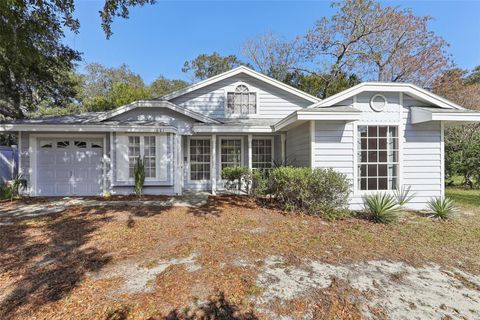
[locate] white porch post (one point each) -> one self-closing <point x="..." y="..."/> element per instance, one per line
<point x="213" y="164"/>
<point x="178" y="161"/>
<point x="283" y="137"/>
<point x="250" y="151"/>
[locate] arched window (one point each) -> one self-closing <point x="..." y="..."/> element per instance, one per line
<point x="241" y="101"/>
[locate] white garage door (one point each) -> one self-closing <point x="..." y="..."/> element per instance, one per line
<point x="69" y="167"/>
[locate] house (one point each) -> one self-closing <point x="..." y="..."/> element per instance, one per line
<point x="380" y="135"/>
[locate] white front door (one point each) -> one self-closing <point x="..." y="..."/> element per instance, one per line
<point x="71" y="166"/>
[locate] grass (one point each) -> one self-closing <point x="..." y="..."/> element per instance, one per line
<point x="83" y="242"/>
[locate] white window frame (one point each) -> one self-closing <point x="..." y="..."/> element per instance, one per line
<point x="236" y="115"/>
<point x="154" y="156"/>
<point x="142" y="154"/>
<point x="242" y="151"/>
<point x="189" y="162"/>
<point x="272" y="148"/>
<point x="358" y="162"/>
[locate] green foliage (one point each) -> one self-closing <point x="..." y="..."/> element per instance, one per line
<point x="318" y="191"/>
<point x="11" y="189"/>
<point x="139" y="175"/>
<point x="316" y="84"/>
<point x="442" y="208"/>
<point x="381" y="207"/>
<point x="6" y="191"/>
<point x="208" y="65"/>
<point x="403" y="196"/>
<point x="260" y="185"/>
<point x="162" y="86"/>
<point x="235" y="175"/>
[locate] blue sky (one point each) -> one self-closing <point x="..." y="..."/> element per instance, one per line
<point x="158" y="39"/>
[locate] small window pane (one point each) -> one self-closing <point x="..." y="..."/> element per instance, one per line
<point x="63" y="144"/>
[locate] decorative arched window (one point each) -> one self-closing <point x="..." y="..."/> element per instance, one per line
<point x="241" y="101"/>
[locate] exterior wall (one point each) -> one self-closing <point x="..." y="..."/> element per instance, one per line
<point x="272" y="102"/>
<point x="298" y="147"/>
<point x="420" y="147"/>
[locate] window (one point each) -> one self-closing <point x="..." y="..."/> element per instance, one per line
<point x="133" y="154"/>
<point x="199" y="159"/>
<point x="378" y="157"/>
<point x="149" y="156"/>
<point x="46" y="144"/>
<point x="262" y="154"/>
<point x="241" y="102"/>
<point x="231" y="153"/>
<point x="63" y="144"/>
<point x="80" y="144"/>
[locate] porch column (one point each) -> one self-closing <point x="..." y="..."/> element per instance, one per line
<point x="283" y="137"/>
<point x="250" y="151"/>
<point x="178" y="161"/>
<point x="213" y="164"/>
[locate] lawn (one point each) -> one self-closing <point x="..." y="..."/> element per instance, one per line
<point x="235" y="258"/>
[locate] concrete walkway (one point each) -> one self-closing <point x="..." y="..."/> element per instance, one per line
<point x="19" y="210"/>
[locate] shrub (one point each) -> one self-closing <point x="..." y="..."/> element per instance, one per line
<point x="235" y="175"/>
<point x="403" y="196"/>
<point x="381" y="207"/>
<point x="139" y="175"/>
<point x="259" y="183"/>
<point x="443" y="208"/>
<point x="6" y="191"/>
<point x="319" y="191"/>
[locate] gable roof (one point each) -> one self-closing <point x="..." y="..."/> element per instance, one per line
<point x="242" y="70"/>
<point x="408" y="88"/>
<point x="156" y="104"/>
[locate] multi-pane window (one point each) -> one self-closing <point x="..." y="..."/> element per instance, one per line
<point x="241" y="101"/>
<point x="378" y="157"/>
<point x="133" y="154"/>
<point x="149" y="156"/>
<point x="231" y="153"/>
<point x="262" y="154"/>
<point x="199" y="159"/>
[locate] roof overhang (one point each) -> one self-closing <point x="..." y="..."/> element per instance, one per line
<point x="156" y="104"/>
<point x="421" y="114"/>
<point x="241" y="70"/>
<point x="231" y="129"/>
<point x="377" y="87"/>
<point x="301" y="116"/>
<point x="84" y="128"/>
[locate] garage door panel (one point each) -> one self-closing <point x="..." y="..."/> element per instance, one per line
<point x="70" y="167"/>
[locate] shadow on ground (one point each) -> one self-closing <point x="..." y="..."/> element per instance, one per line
<point x="48" y="252"/>
<point x="216" y="204"/>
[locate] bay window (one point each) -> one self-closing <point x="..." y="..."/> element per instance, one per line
<point x="377" y="157"/>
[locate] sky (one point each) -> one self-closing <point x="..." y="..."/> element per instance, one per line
<point x="157" y="39"/>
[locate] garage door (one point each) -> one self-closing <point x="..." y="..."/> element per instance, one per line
<point x="69" y="167"/>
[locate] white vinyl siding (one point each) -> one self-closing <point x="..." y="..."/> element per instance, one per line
<point x="211" y="100"/>
<point x="298" y="146"/>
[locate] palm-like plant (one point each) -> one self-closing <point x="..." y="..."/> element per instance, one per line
<point x="443" y="208"/>
<point x="381" y="207"/>
<point x="403" y="195"/>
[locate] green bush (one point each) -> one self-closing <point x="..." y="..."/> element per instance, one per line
<point x="139" y="175"/>
<point x="443" y="208"/>
<point x="322" y="192"/>
<point x="381" y="207"/>
<point x="260" y="186"/>
<point x="6" y="191"/>
<point x="235" y="176"/>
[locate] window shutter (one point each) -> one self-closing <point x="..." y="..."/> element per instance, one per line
<point x="163" y="157"/>
<point x="122" y="157"/>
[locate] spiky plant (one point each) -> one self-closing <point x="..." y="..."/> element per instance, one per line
<point x="139" y="175"/>
<point x="403" y="195"/>
<point x="381" y="207"/>
<point x="442" y="208"/>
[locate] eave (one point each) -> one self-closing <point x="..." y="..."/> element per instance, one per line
<point x="300" y="116"/>
<point x="84" y="128"/>
<point x="421" y="115"/>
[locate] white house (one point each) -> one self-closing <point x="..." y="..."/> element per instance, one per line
<point x="380" y="135"/>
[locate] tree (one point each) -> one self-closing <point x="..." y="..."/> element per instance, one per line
<point x="208" y="65"/>
<point x="35" y="66"/>
<point x="314" y="84"/>
<point x="462" y="143"/>
<point x="272" y="55"/>
<point x="161" y="86"/>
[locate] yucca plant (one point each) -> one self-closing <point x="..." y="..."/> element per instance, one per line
<point x="381" y="207"/>
<point x="403" y="195"/>
<point x="139" y="175"/>
<point x="443" y="208"/>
